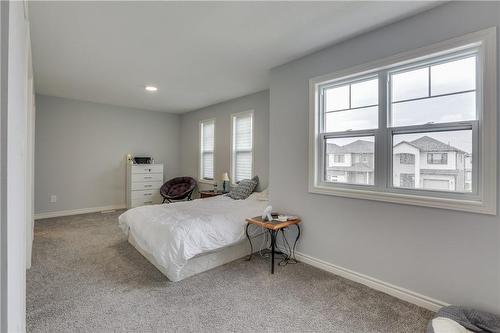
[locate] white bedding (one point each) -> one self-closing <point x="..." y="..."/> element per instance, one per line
<point x="175" y="233"/>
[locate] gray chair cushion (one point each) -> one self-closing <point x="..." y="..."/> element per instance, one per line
<point x="244" y="188"/>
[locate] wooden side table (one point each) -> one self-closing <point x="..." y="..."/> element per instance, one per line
<point x="209" y="194"/>
<point x="273" y="227"/>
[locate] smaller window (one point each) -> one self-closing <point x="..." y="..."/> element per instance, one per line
<point x="242" y="146"/>
<point x="437" y="158"/>
<point x="207" y="141"/>
<point x="406" y="158"/>
<point x="407" y="180"/>
<point x="339" y="158"/>
<point x="351" y="106"/>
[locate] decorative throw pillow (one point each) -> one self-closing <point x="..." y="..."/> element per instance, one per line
<point x="244" y="188"/>
<point x="262" y="196"/>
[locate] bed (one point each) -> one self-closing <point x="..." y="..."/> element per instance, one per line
<point x="186" y="238"/>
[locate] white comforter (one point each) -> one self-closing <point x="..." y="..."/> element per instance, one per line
<point x="174" y="233"/>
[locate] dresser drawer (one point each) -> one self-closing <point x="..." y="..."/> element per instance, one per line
<point x="147" y="177"/>
<point x="152" y="185"/>
<point x="143" y="202"/>
<point x="145" y="194"/>
<point x="147" y="168"/>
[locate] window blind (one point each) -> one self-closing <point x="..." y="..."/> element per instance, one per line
<point x="207" y="136"/>
<point x="242" y="146"/>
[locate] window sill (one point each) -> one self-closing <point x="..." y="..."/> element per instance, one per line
<point x="472" y="206"/>
<point x="206" y="181"/>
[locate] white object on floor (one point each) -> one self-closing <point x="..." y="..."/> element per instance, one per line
<point x="446" y="325"/>
<point x="172" y="234"/>
<point x="143" y="184"/>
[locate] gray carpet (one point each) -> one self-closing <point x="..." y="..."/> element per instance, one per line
<point x="87" y="278"/>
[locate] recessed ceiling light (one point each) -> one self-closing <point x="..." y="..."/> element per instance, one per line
<point x="151" y="88"/>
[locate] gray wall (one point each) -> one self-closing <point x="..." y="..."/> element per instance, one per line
<point x="259" y="102"/>
<point x="80" y="150"/>
<point x="448" y="255"/>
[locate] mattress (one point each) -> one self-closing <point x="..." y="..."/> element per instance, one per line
<point x="170" y="235"/>
<point x="203" y="262"/>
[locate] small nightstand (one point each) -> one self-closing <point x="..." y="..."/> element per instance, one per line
<point x="209" y="194"/>
<point x="273" y="227"/>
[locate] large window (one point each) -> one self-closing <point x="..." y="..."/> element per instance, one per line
<point x="242" y="146"/>
<point x="410" y="129"/>
<point x="207" y="144"/>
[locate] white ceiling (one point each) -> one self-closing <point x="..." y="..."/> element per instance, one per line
<point x="197" y="53"/>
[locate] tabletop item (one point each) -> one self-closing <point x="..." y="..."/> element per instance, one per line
<point x="267" y="214"/>
<point x="225" y="182"/>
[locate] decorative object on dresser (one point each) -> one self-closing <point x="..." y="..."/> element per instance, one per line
<point x="144" y="160"/>
<point x="178" y="188"/>
<point x="209" y="194"/>
<point x="143" y="184"/>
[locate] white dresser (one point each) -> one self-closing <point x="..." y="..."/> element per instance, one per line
<point x="143" y="184"/>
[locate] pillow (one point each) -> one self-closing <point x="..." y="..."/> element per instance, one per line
<point x="244" y="188"/>
<point x="262" y="196"/>
<point x="446" y="325"/>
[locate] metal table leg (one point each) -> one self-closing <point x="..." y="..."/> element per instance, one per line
<point x="250" y="240"/>
<point x="295" y="243"/>
<point x="273" y="244"/>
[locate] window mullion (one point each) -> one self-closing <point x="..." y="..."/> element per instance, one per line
<point x="477" y="152"/>
<point x="429" y="82"/>
<point x="381" y="134"/>
<point x="321" y="175"/>
<point x="456" y="126"/>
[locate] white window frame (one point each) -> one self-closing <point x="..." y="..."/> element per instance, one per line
<point x="483" y="199"/>
<point x="201" y="179"/>
<point x="232" y="148"/>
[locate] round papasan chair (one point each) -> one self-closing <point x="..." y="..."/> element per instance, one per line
<point x="178" y="188"/>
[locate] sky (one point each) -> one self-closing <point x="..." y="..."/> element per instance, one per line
<point x="439" y="93"/>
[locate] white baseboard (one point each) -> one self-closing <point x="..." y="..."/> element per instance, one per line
<point x="77" y="211"/>
<point x="398" y="292"/>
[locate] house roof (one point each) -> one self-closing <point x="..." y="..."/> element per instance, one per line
<point x="426" y="143"/>
<point x="358" y="146"/>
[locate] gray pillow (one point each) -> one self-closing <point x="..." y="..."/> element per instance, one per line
<point x="244" y="188"/>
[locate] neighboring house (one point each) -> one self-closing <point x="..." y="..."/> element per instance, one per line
<point x="424" y="163"/>
<point x="352" y="163"/>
